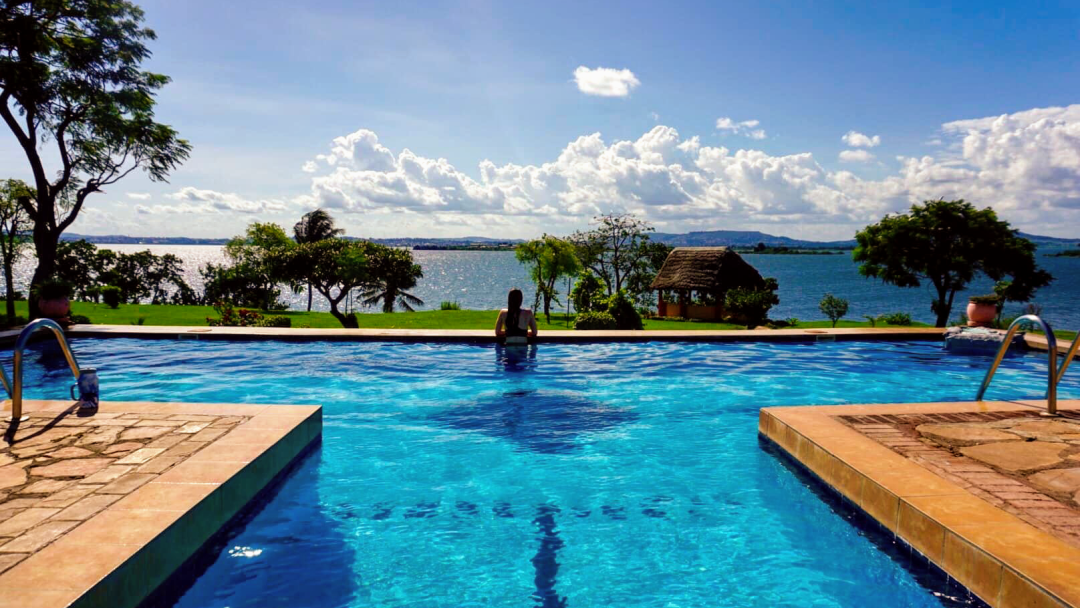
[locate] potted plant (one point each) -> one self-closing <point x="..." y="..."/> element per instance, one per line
<point x="53" y="298"/>
<point x="982" y="310"/>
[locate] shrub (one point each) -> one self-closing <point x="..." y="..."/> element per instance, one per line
<point x="588" y="293"/>
<point x="872" y="320"/>
<point x="752" y="306"/>
<point x="833" y="307"/>
<point x="792" y="321"/>
<point x="233" y="317"/>
<point x="449" y="306"/>
<point x="987" y="299"/>
<point x="594" y="320"/>
<point x="897" y="318"/>
<point x="111" y="296"/>
<point x="274" y="321"/>
<point x="622" y="308"/>
<point x="53" y="289"/>
<point x="79" y="319"/>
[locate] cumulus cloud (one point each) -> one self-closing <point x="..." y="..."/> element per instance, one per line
<point x="856" y="156"/>
<point x="605" y="82"/>
<point x="195" y="201"/>
<point x="139" y="196"/>
<point x="746" y="128"/>
<point x="1027" y="165"/>
<point x="858" y="140"/>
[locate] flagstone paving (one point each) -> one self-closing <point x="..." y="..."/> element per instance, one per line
<point x="1021" y="462"/>
<point x="60" y="469"/>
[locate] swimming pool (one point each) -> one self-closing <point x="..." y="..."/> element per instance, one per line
<point x="565" y="475"/>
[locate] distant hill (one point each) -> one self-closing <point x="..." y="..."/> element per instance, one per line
<point x="744" y="238"/>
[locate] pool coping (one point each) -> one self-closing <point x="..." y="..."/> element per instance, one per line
<point x="161" y="525"/>
<point x="1000" y="558"/>
<point x="484" y="336"/>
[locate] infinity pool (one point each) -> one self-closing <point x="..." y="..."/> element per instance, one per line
<point x="566" y="475"/>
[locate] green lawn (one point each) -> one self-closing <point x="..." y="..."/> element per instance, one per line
<point x="130" y="314"/>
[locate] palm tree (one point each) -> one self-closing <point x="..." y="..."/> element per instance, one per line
<point x="392" y="272"/>
<point x="315" y="226"/>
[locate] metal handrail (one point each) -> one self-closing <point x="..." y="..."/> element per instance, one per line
<point x="1069" y="354"/>
<point x="14" y="390"/>
<point x="1052" y="373"/>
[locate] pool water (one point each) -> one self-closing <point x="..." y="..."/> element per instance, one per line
<point x="561" y="475"/>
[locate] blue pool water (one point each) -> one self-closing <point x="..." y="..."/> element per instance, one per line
<point x="568" y="475"/>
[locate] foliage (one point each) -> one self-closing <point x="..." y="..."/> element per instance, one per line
<point x="111" y="296"/>
<point x="752" y="305"/>
<point x="588" y="292"/>
<point x="241" y="284"/>
<point x="53" y="289"/>
<point x="833" y="307"/>
<point x="70" y="73"/>
<point x="794" y="321"/>
<point x="79" y="319"/>
<point x="83" y="265"/>
<point x="391" y="272"/>
<point x="619" y="252"/>
<point x="900" y="319"/>
<point x="548" y="259"/>
<point x="447" y="305"/>
<point x="872" y="320"/>
<point x="621" y="307"/>
<point x="595" y="320"/>
<point x="13" y="243"/>
<point x="274" y="321"/>
<point x="258" y="267"/>
<point x="233" y="317"/>
<point x="139" y="276"/>
<point x="948" y="243"/>
<point x="333" y="267"/>
<point x="317" y="225"/>
<point x="987" y="299"/>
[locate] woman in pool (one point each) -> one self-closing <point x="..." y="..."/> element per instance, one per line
<point x="515" y="323"/>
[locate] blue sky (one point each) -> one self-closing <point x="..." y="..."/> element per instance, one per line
<point x="263" y="88"/>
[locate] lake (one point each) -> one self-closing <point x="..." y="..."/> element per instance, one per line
<point x="480" y="280"/>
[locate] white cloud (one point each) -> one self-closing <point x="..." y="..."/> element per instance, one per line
<point x="605" y="82"/>
<point x="139" y="196"/>
<point x="196" y="201"/>
<point x="745" y="128"/>
<point x="858" y="140"/>
<point x="1026" y="165"/>
<point x="856" y="156"/>
<point x="654" y="116"/>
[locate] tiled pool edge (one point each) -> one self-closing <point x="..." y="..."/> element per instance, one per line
<point x="159" y="526"/>
<point x="1004" y="561"/>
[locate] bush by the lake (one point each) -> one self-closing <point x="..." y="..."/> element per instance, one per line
<point x="595" y="320"/>
<point x="233" y="317"/>
<point x="588" y="293"/>
<point x="274" y="321"/>
<point x="752" y="306"/>
<point x="110" y="295"/>
<point x="622" y="309"/>
<point x="447" y="305"/>
<point x="902" y="319"/>
<point x="833" y="307"/>
<point x="79" y="320"/>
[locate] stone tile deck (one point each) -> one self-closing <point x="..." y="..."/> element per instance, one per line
<point x="989" y="528"/>
<point x="99" y="509"/>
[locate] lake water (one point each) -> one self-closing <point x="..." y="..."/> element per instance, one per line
<point x="480" y="280"/>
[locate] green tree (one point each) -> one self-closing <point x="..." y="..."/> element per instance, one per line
<point x="391" y="271"/>
<point x="948" y="243"/>
<point x="833" y="307"/>
<point x="588" y="293"/>
<point x="258" y="260"/>
<point x="317" y="225"/>
<point x="72" y="89"/>
<point x="752" y="305"/>
<point x="84" y="266"/>
<point x="614" y="249"/>
<point x="548" y="259"/>
<point x="13" y="243"/>
<point x="334" y="267"/>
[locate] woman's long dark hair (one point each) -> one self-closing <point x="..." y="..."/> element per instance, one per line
<point x="513" y="301"/>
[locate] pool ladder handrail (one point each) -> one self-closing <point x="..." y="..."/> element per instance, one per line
<point x="1051" y="372"/>
<point x="14" y="390"/>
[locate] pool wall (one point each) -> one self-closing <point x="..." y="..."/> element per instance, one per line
<point x="1003" y="560"/>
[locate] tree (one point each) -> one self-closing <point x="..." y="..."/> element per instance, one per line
<point x="833" y="307"/>
<point x="548" y="259"/>
<point x="948" y="243"/>
<point x="315" y="226"/>
<point x="137" y="276"/>
<point x="13" y="222"/>
<point x="752" y="305"/>
<point x="70" y="75"/>
<point x="587" y="294"/>
<point x="84" y="266"/>
<point x="334" y="267"/>
<point x="614" y="249"/>
<point x="258" y="260"/>
<point x="391" y="272"/>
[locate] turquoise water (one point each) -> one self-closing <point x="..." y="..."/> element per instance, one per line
<point x="567" y="475"/>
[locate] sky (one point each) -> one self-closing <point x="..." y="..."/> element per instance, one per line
<point x="510" y="119"/>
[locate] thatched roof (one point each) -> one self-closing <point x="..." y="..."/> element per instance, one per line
<point x="706" y="269"/>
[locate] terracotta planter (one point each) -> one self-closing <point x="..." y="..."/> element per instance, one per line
<point x="54" y="309"/>
<point x="980" y="315"/>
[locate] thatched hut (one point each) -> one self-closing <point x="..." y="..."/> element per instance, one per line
<point x="705" y="272"/>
